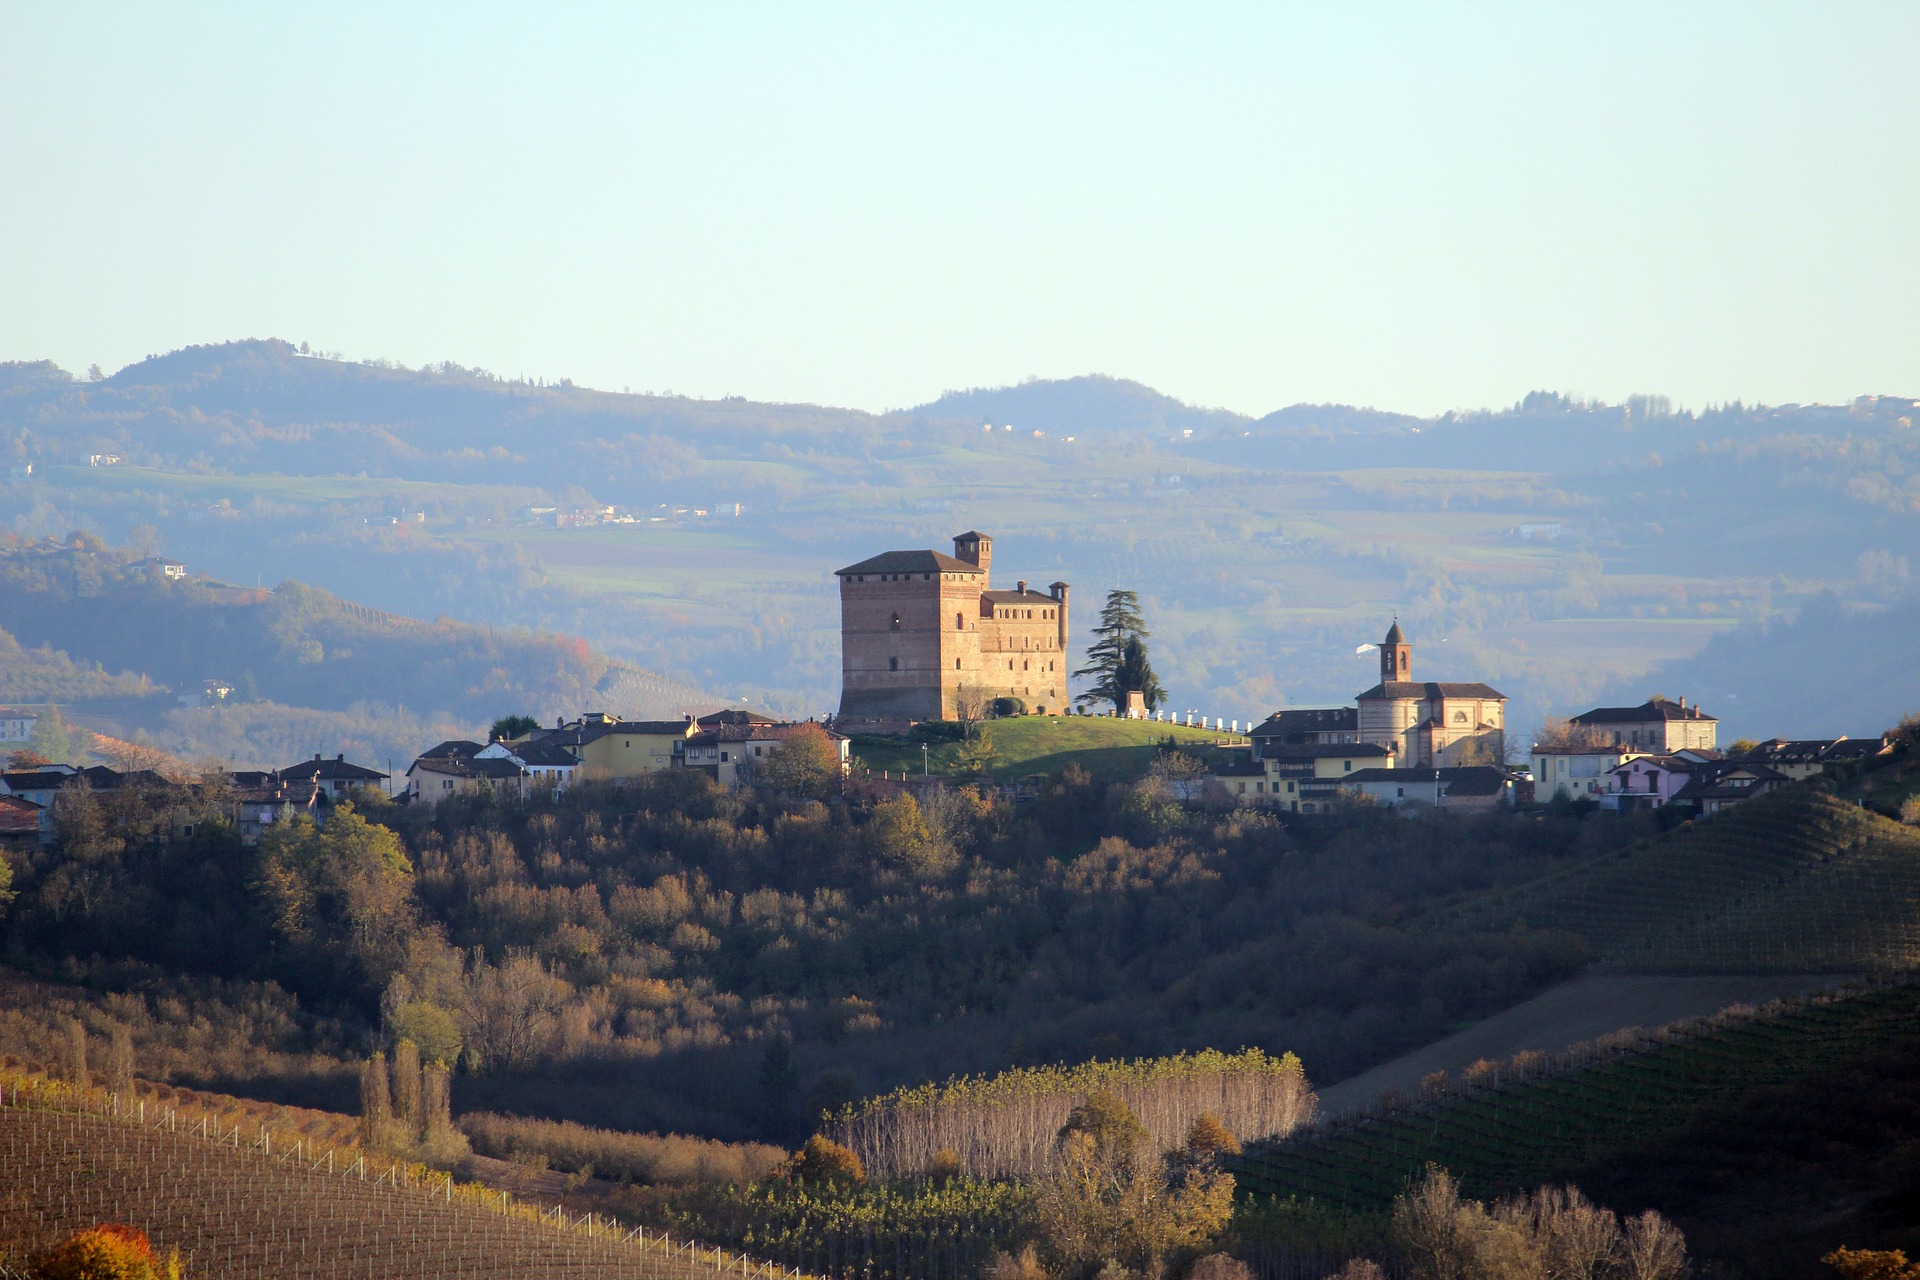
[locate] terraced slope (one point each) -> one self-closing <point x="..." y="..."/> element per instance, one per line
<point x="1797" y="882"/>
<point x="237" y="1212"/>
<point x="1527" y="1125"/>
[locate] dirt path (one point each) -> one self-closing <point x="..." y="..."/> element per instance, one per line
<point x="1565" y="1015"/>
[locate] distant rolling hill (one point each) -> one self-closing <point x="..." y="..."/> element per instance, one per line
<point x="307" y="670"/>
<point x="1093" y="403"/>
<point x="1557" y="547"/>
<point x="1829" y="670"/>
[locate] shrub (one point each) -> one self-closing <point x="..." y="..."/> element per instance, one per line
<point x="823" y="1160"/>
<point x="938" y="731"/>
<point x="1009" y="707"/>
<point x="106" y="1252"/>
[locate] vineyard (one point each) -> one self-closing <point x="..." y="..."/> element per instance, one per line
<point x="1005" y="1125"/>
<point x="1527" y="1122"/>
<point x="925" y="1230"/>
<point x="238" y="1205"/>
<point x="1797" y="882"/>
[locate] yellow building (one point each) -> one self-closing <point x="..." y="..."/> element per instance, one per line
<point x="611" y="748"/>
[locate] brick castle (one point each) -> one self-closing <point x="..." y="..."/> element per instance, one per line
<point x="923" y="636"/>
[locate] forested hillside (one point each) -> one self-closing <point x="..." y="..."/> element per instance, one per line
<point x="1560" y="549"/>
<point x="672" y="956"/>
<point x="307" y="671"/>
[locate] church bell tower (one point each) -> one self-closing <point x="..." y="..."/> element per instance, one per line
<point x="1396" y="656"/>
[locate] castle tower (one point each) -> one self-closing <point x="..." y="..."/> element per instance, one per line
<point x="976" y="549"/>
<point x="1396" y="656"/>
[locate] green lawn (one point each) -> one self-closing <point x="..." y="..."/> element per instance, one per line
<point x="1027" y="745"/>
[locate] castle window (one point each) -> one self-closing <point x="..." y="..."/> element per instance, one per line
<point x="959" y="622"/>
<point x="956" y="664"/>
<point x="893" y="664"/>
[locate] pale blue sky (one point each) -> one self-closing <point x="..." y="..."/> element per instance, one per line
<point x="1416" y="206"/>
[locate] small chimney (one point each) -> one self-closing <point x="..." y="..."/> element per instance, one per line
<point x="1022" y="584"/>
<point x="1683" y="702"/>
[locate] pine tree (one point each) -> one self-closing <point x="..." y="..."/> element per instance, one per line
<point x="1117" y="659"/>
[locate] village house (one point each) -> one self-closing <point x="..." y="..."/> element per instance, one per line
<point x="1305" y="726"/>
<point x="432" y="779"/>
<point x="37" y="786"/>
<point x="336" y="777"/>
<point x="1576" y="772"/>
<point x="23" y="824"/>
<point x="1242" y="779"/>
<point x="262" y="798"/>
<point x="1713" y="790"/>
<point x="1296" y="777"/>
<point x="608" y="747"/>
<point x="925" y="636"/>
<point x="1800" y="759"/>
<point x="1463" y="788"/>
<point x="1656" y="725"/>
<point x="729" y="749"/>
<point x="17" y="725"/>
<point x="161" y="567"/>
<point x="1649" y="782"/>
<point x="547" y="764"/>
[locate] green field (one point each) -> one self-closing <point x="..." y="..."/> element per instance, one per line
<point x="1026" y="745"/>
<point x="1522" y="1132"/>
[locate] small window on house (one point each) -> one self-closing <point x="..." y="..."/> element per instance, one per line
<point x="926" y="577"/>
<point x="723" y="757"/>
<point x="893" y="664"/>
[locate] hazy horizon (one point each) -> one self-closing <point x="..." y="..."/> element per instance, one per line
<point x="1412" y="207"/>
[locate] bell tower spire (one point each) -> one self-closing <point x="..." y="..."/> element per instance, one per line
<point x="1396" y="656"/>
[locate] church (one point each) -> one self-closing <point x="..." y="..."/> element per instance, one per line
<point x="924" y="636"/>
<point x="1431" y="724"/>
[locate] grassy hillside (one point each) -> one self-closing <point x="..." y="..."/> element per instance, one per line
<point x="1797" y="882"/>
<point x="1023" y="745"/>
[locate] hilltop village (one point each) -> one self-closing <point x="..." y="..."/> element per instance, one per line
<point x="927" y="640"/>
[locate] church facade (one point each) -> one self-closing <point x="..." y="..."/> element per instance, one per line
<point x="1430" y="724"/>
<point x="923" y="635"/>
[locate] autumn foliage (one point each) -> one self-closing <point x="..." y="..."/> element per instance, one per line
<point x="106" y="1252"/>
